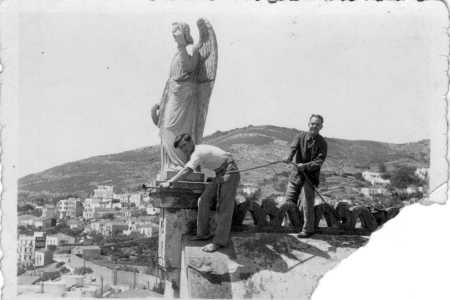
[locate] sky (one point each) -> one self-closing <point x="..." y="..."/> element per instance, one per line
<point x="88" y="75"/>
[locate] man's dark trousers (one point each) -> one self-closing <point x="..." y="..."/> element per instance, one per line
<point x="293" y="192"/>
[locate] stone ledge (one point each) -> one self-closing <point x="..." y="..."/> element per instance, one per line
<point x="262" y="265"/>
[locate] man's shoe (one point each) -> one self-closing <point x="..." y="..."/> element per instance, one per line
<point x="305" y="234"/>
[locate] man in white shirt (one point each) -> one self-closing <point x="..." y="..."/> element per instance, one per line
<point x="224" y="186"/>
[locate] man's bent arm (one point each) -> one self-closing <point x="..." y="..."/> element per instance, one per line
<point x="183" y="173"/>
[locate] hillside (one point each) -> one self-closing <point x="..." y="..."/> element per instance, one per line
<point x="252" y="145"/>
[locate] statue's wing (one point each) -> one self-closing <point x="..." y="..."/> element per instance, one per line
<point x="207" y="48"/>
<point x="205" y="74"/>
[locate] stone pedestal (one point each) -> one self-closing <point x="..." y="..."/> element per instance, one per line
<point x="178" y="206"/>
<point x="173" y="224"/>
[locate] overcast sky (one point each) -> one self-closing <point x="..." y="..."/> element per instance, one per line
<point x="88" y="77"/>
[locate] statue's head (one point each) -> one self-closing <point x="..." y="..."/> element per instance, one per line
<point x="182" y="33"/>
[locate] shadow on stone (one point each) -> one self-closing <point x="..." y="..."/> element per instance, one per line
<point x="256" y="253"/>
<point x="342" y="241"/>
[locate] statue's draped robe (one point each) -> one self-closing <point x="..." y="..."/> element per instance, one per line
<point x="179" y="109"/>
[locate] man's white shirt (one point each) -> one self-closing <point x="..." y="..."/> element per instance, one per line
<point x="208" y="157"/>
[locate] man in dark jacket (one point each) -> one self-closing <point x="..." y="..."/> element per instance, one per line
<point x="310" y="151"/>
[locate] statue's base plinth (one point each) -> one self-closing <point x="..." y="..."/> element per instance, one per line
<point x="178" y="215"/>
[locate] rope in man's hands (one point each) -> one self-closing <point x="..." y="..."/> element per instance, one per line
<point x="308" y="181"/>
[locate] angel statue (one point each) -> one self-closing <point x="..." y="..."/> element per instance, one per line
<point x="184" y="102"/>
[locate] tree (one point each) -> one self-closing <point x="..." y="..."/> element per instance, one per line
<point x="25" y="208"/>
<point x="21" y="269"/>
<point x="50" y="276"/>
<point x="82" y="270"/>
<point x="96" y="238"/>
<point x="403" y="177"/>
<point x="108" y="216"/>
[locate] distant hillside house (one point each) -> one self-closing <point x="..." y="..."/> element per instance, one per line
<point x="92" y="202"/>
<point x="145" y="225"/>
<point x="59" y="239"/>
<point x="148" y="230"/>
<point x="101" y="213"/>
<point x="27" y="245"/>
<point x="374" y="191"/>
<point x="28" y="220"/>
<point x="39" y="239"/>
<point x="86" y="251"/>
<point x="375" y="178"/>
<point x="96" y="226"/>
<point x="115" y="203"/>
<point x="71" y="207"/>
<point x="123" y="198"/>
<point x="75" y="224"/>
<point x="422" y="173"/>
<point x="25" y="249"/>
<point x="104" y="192"/>
<point x="112" y="228"/>
<point x="136" y="198"/>
<point x="413" y="189"/>
<point x="49" y="211"/>
<point x="150" y="210"/>
<point x="48" y="222"/>
<point x="42" y="258"/>
<point x="250" y="190"/>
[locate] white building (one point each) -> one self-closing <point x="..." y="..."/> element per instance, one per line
<point x="422" y="173"/>
<point x="142" y="225"/>
<point x="375" y="178"/>
<point x="59" y="239"/>
<point x="96" y="226"/>
<point x="88" y="213"/>
<point x="104" y="192"/>
<point x="114" y="228"/>
<point x="151" y="211"/>
<point x="92" y="202"/>
<point x="49" y="211"/>
<point x="374" y="191"/>
<point x="27" y="245"/>
<point x="123" y="198"/>
<point x="86" y="251"/>
<point x="75" y="224"/>
<point x="39" y="239"/>
<point x="71" y="207"/>
<point x="25" y="249"/>
<point x="101" y="212"/>
<point x="42" y="258"/>
<point x="250" y="190"/>
<point x="115" y="203"/>
<point x="413" y="189"/>
<point x="27" y="220"/>
<point x="147" y="230"/>
<point x="136" y="198"/>
<point x="38" y="222"/>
